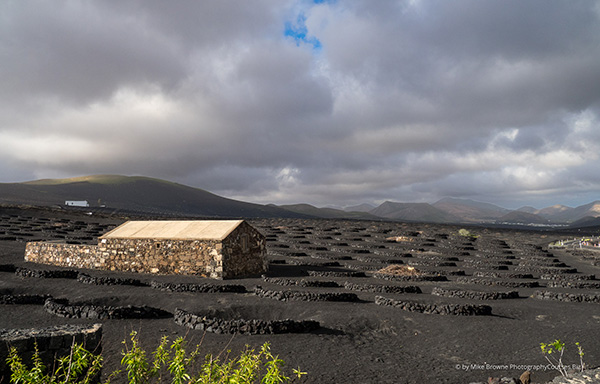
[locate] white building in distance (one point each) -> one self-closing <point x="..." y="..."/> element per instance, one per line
<point x="77" y="203"/>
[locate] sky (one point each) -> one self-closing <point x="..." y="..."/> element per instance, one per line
<point x="321" y="102"/>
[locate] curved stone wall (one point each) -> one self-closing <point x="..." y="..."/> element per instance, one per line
<point x="477" y="295"/>
<point x="199" y="288"/>
<point x="95" y="280"/>
<point x="377" y="288"/>
<point x="568" y="297"/>
<point x="304" y="296"/>
<point x="62" y="308"/>
<point x="438" y="309"/>
<point x="243" y="326"/>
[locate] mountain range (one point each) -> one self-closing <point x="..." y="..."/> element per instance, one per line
<point x="135" y="195"/>
<point x="150" y="196"/>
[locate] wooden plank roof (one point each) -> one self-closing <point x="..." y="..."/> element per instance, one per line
<point x="176" y="230"/>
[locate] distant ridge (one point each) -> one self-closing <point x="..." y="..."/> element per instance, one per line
<point x="563" y="214"/>
<point x="134" y="194"/>
<point x="470" y="210"/>
<point x="553" y="212"/>
<point x="360" y="208"/>
<point x="585" y="222"/>
<point x="327" y="213"/>
<point x="528" y="209"/>
<point x="150" y="196"/>
<point x="413" y="212"/>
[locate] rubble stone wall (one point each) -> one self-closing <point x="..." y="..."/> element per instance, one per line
<point x="188" y="257"/>
<point x="244" y="253"/>
<point x="62" y="254"/>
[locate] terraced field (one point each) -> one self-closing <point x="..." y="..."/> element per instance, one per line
<point x="347" y="301"/>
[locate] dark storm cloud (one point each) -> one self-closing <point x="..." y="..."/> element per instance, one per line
<point x="80" y="51"/>
<point x="406" y="100"/>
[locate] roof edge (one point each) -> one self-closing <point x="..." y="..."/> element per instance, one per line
<point x="237" y="224"/>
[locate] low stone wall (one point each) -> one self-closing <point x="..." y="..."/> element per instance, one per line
<point x="431" y="263"/>
<point x="51" y="342"/>
<point x="378" y="288"/>
<point x="477" y="295"/>
<point x="438" y="309"/>
<point x="62" y="308"/>
<point x="304" y="296"/>
<point x="503" y="275"/>
<point x="574" y="284"/>
<point x="198" y="288"/>
<point x="550" y="276"/>
<point x="243" y="326"/>
<point x="46" y="274"/>
<point x="301" y="283"/>
<point x="545" y="270"/>
<point x="95" y="280"/>
<point x="503" y="283"/>
<point x="313" y="263"/>
<point x="385" y="276"/>
<point x="568" y="297"/>
<point x="370" y="259"/>
<point x="335" y="274"/>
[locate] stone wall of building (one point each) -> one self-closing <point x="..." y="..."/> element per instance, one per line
<point x="242" y="253"/>
<point x="51" y="342"/>
<point x="64" y="255"/>
<point x="188" y="257"/>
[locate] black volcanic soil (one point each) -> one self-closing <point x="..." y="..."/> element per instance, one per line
<point x="359" y="341"/>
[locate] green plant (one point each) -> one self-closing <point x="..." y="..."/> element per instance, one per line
<point x="170" y="363"/>
<point x="79" y="367"/>
<point x="580" y="353"/>
<point x="557" y="347"/>
<point x="174" y="360"/>
<point x="465" y="233"/>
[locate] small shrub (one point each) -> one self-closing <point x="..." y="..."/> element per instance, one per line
<point x="553" y="352"/>
<point x="465" y="233"/>
<point x="172" y="363"/>
<point x="79" y="367"/>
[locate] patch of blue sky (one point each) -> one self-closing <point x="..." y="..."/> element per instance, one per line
<point x="299" y="33"/>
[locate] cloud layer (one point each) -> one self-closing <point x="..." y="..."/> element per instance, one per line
<point x="297" y="101"/>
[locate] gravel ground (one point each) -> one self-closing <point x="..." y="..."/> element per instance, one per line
<point x="358" y="341"/>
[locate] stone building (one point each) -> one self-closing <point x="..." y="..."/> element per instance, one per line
<point x="218" y="249"/>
